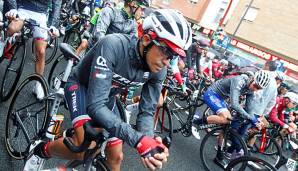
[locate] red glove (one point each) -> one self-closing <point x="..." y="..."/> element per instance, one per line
<point x="147" y="147"/>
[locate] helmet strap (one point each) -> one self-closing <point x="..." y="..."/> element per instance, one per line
<point x="144" y="57"/>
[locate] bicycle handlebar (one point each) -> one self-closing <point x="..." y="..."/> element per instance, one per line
<point x="90" y="135"/>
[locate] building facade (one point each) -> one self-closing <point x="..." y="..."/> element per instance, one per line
<point x="268" y="31"/>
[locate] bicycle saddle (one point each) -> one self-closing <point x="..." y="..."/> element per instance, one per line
<point x="68" y="52"/>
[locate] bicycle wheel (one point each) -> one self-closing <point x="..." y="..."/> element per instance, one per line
<point x="209" y="145"/>
<point x="51" y="50"/>
<point x="26" y="117"/>
<point x="73" y="38"/>
<point x="13" y="71"/>
<point x="253" y="164"/>
<point x="57" y="71"/>
<point x="163" y="122"/>
<point x="272" y="151"/>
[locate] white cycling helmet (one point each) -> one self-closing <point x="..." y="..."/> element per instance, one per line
<point x="280" y="75"/>
<point x="292" y="96"/>
<point x="225" y="62"/>
<point x="210" y="55"/>
<point x="262" y="78"/>
<point x="171" y="27"/>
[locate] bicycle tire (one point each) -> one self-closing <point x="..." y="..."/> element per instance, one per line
<point x="49" y="54"/>
<point x="209" y="153"/>
<point x="163" y="122"/>
<point x="247" y="159"/>
<point x="57" y="71"/>
<point x="269" y="146"/>
<point x="73" y="38"/>
<point x="25" y="115"/>
<point x="16" y="65"/>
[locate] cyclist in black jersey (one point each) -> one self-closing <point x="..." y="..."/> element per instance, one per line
<point x="118" y="61"/>
<point x="113" y="20"/>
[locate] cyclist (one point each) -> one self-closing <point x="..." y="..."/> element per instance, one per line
<point x="219" y="68"/>
<point x="206" y="65"/>
<point x="118" y="61"/>
<point x="266" y="98"/>
<point x="279" y="115"/>
<point x="194" y="53"/>
<point x="114" y="20"/>
<point x="85" y="7"/>
<point x="231" y="88"/>
<point x="36" y="10"/>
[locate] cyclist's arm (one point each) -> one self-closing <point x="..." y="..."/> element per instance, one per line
<point x="188" y="57"/>
<point x="274" y="118"/>
<point x="235" y="91"/>
<point x="148" y="102"/>
<point x="100" y="83"/>
<point x="176" y="71"/>
<point x="75" y="7"/>
<point x="56" y="5"/>
<point x="103" y="22"/>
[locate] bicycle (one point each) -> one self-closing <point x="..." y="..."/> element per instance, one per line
<point x="266" y="145"/>
<point x="209" y="146"/>
<point x="252" y="163"/>
<point x="27" y="121"/>
<point x="16" y="63"/>
<point x="174" y="118"/>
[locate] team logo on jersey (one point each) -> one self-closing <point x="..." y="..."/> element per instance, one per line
<point x="100" y="61"/>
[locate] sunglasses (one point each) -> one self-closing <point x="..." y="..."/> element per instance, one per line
<point x="170" y="54"/>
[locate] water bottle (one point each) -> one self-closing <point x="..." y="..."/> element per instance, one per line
<point x="54" y="126"/>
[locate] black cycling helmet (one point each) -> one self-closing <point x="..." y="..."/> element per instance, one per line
<point x="272" y="65"/>
<point x="202" y="43"/>
<point x="142" y="3"/>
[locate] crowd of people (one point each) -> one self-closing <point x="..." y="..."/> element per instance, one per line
<point x="140" y="48"/>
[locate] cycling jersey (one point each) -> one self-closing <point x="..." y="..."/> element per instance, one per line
<point x="232" y="88"/>
<point x="113" y="63"/>
<point x="39" y="6"/>
<point x="266" y="100"/>
<point x="113" y="20"/>
<point x="277" y="113"/>
<point x="193" y="57"/>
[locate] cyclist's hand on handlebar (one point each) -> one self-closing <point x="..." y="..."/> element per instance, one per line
<point x="11" y="14"/>
<point x="153" y="152"/>
<point x="54" y="32"/>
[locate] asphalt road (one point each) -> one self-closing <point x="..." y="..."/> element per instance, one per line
<point x="184" y="152"/>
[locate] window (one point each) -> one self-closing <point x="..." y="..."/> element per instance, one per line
<point x="251" y="14"/>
